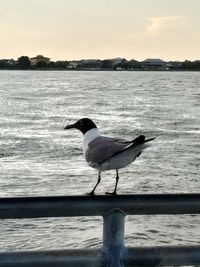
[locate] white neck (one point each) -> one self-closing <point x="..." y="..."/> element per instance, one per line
<point x="88" y="137"/>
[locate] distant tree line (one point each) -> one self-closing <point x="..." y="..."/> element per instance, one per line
<point x="191" y="65"/>
<point x="24" y="63"/>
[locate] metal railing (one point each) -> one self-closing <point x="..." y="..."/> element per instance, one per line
<point x="113" y="210"/>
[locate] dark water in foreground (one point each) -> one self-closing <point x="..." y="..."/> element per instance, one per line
<point x="38" y="158"/>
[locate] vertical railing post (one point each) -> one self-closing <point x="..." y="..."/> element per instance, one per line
<point x="113" y="238"/>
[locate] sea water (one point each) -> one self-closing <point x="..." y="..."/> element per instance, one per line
<point x="39" y="158"/>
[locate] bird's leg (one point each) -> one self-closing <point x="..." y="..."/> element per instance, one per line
<point x="114" y="193"/>
<point x="117" y="179"/>
<point x="98" y="181"/>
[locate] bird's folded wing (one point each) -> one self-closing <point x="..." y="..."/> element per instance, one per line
<point x="102" y="148"/>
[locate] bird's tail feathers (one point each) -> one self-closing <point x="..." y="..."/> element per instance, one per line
<point x="141" y="140"/>
<point x="149" y="139"/>
<point x="137" y="144"/>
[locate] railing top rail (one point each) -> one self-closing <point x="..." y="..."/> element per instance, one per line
<point x="66" y="206"/>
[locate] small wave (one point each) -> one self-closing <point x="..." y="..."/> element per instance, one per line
<point x="153" y="231"/>
<point x="92" y="242"/>
<point x="4" y="155"/>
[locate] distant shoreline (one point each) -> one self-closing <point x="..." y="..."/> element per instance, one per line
<point x="116" y="64"/>
<point x="101" y="70"/>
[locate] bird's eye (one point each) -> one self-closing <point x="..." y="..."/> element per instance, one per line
<point x="81" y="122"/>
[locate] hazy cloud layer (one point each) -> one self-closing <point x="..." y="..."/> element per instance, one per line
<point x="2" y="15"/>
<point x="77" y="29"/>
<point x="156" y="25"/>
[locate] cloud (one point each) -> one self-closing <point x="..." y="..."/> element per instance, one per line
<point x="154" y="26"/>
<point x="158" y="24"/>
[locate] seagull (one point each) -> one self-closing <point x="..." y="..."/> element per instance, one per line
<point x="107" y="153"/>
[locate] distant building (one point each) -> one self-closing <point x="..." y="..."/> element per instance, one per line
<point x="10" y="62"/>
<point x="73" y="65"/>
<point x="118" y="61"/>
<point x="173" y="65"/>
<point x="89" y="64"/>
<point x="153" y="64"/>
<point x="35" y="60"/>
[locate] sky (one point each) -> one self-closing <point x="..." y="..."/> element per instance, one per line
<point x="100" y="29"/>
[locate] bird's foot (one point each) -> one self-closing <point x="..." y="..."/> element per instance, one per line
<point x="111" y="193"/>
<point x="90" y="193"/>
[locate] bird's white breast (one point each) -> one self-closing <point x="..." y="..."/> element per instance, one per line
<point x="88" y="137"/>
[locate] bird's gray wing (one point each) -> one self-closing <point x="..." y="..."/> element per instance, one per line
<point x="102" y="148"/>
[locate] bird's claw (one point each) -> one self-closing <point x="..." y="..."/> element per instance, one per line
<point x="111" y="193"/>
<point x="90" y="194"/>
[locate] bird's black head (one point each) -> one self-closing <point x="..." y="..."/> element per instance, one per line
<point x="82" y="125"/>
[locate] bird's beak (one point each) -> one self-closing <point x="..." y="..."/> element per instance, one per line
<point x="72" y="126"/>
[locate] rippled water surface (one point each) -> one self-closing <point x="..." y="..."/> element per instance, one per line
<point x="39" y="158"/>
